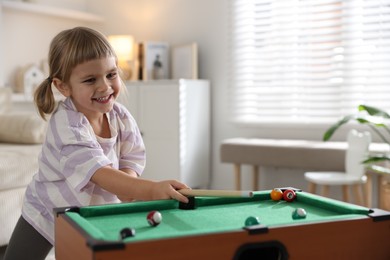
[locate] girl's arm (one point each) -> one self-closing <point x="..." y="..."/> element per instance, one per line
<point x="129" y="172"/>
<point x="126" y="186"/>
<point x="133" y="174"/>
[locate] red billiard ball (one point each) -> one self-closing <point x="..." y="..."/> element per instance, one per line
<point x="289" y="195"/>
<point x="276" y="194"/>
<point x="154" y="218"/>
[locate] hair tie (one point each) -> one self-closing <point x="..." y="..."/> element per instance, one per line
<point x="49" y="79"/>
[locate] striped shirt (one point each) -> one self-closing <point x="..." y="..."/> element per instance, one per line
<point x="70" y="156"/>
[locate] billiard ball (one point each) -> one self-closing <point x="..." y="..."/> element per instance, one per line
<point x="289" y="195"/>
<point x="299" y="213"/>
<point x="251" y="221"/>
<point x="154" y="218"/>
<point x="126" y="232"/>
<point x="276" y="194"/>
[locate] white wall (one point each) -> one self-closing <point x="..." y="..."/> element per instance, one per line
<point x="26" y="39"/>
<point x="177" y="22"/>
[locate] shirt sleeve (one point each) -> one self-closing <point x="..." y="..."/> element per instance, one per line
<point x="132" y="152"/>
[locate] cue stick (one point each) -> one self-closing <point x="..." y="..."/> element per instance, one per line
<point x="216" y="193"/>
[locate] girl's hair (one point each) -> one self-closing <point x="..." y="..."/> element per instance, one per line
<point x="68" y="49"/>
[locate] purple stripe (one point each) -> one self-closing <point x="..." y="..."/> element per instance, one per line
<point x="136" y="155"/>
<point x="54" y="130"/>
<point x="73" y="162"/>
<point x="53" y="151"/>
<point x="44" y="160"/>
<point x="67" y="194"/>
<point x="41" y="191"/>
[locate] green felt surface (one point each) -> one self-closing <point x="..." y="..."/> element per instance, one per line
<point x="212" y="215"/>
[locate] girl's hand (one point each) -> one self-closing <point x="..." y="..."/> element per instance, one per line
<point x="128" y="187"/>
<point x="168" y="190"/>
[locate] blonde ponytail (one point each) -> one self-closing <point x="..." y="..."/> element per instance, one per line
<point x="44" y="98"/>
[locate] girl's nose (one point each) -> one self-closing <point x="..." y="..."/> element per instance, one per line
<point x="104" y="86"/>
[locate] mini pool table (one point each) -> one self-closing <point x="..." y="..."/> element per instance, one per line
<point x="214" y="228"/>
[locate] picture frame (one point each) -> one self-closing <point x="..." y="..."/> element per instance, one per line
<point x="154" y="60"/>
<point x="185" y="61"/>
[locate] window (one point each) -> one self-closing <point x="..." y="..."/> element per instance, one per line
<point x="308" y="61"/>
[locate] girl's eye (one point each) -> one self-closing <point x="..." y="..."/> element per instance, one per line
<point x="111" y="75"/>
<point x="90" y="80"/>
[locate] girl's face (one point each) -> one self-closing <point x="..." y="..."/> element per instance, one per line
<point x="93" y="86"/>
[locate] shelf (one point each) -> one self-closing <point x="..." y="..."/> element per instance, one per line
<point x="51" y="11"/>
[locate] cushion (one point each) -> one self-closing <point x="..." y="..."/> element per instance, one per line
<point x="18" y="164"/>
<point x="22" y="128"/>
<point x="5" y="99"/>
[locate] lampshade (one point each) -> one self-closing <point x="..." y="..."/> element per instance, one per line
<point x="123" y="46"/>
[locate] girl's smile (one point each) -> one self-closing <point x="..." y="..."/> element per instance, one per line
<point x="103" y="100"/>
<point x="93" y="87"/>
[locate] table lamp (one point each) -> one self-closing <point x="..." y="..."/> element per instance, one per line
<point x="124" y="49"/>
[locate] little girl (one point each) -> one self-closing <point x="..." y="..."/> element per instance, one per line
<point x="93" y="151"/>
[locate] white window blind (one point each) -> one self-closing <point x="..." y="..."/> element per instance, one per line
<point x="308" y="61"/>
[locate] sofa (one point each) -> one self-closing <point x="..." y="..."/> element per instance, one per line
<point x="21" y="137"/>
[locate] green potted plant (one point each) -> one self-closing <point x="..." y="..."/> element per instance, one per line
<point x="375" y="119"/>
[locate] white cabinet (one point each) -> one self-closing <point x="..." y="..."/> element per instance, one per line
<point x="174" y="119"/>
